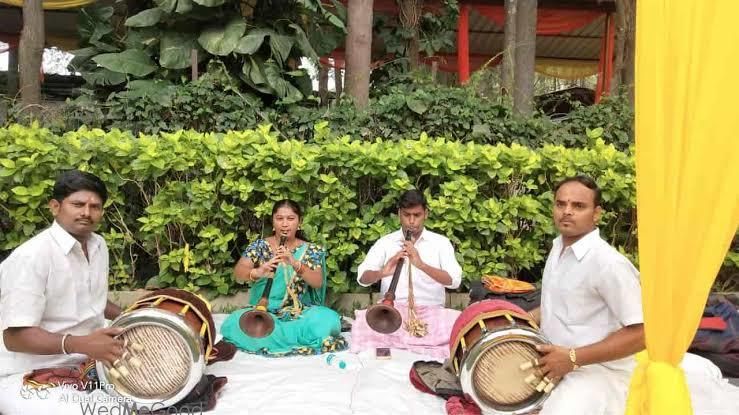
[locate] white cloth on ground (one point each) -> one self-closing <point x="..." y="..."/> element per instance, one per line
<point x="307" y="384"/>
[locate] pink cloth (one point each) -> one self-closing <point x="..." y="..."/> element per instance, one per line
<point x="435" y="343"/>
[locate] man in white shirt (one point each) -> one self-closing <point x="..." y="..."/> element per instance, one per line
<point x="53" y="290"/>
<point x="590" y="310"/>
<point x="429" y="257"/>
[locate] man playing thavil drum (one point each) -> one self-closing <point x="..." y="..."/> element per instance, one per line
<point x="54" y="288"/>
<point x="590" y="310"/>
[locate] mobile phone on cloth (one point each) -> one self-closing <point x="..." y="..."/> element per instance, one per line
<point x="382" y="353"/>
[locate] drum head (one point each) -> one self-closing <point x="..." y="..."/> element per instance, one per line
<point x="491" y="371"/>
<point x="164" y="359"/>
<point x="498" y="379"/>
<point x="165" y="363"/>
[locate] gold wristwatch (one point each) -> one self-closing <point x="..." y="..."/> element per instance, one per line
<point x="573" y="359"/>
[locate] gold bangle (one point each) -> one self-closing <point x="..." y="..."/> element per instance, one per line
<point x="297" y="271"/>
<point x="252" y="275"/>
<point x="573" y="359"/>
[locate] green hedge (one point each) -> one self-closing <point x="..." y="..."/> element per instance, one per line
<point x="198" y="198"/>
<point x="399" y="112"/>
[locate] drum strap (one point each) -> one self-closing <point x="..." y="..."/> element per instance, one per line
<point x="413" y="325"/>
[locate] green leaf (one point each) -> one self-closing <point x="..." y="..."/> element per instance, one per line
<point x="175" y="49"/>
<point x="256" y="72"/>
<point x="166" y="5"/>
<point x="325" y="40"/>
<point x="146" y="18"/>
<point x="142" y="38"/>
<point x="158" y="90"/>
<point x="20" y="190"/>
<point x="303" y="43"/>
<point x="280" y="46"/>
<point x="419" y="106"/>
<point x="104" y="77"/>
<point x="100" y="31"/>
<point x="223" y="40"/>
<point x="104" y="47"/>
<point x="334" y="20"/>
<point x="250" y="43"/>
<point x="341" y="11"/>
<point x="81" y="56"/>
<point x="100" y="12"/>
<point x="209" y="3"/>
<point x="272" y="73"/>
<point x="132" y="61"/>
<point x="183" y="6"/>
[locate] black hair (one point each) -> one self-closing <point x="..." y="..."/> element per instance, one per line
<point x="70" y="181"/>
<point x="585" y="181"/>
<point x="411" y="198"/>
<point x="292" y="205"/>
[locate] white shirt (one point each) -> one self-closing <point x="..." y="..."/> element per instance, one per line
<point x="589" y="292"/>
<point x="435" y="250"/>
<point x="47" y="282"/>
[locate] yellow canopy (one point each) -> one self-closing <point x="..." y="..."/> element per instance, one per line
<point x="53" y="4"/>
<point x="687" y="180"/>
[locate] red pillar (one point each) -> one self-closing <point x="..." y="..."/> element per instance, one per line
<point x="463" y="43"/>
<point x="602" y="61"/>
<point x="605" y="65"/>
<point x="609" y="54"/>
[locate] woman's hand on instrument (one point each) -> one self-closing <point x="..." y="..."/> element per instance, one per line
<point x="283" y="253"/>
<point x="389" y="267"/>
<point x="101" y="344"/>
<point x="267" y="269"/>
<point x="412" y="254"/>
<point x="555" y="361"/>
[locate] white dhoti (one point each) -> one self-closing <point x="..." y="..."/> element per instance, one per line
<point x="597" y="390"/>
<point x="590" y="390"/>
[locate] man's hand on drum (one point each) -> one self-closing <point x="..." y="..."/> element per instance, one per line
<point x="101" y="344"/>
<point x="389" y="267"/>
<point x="555" y="361"/>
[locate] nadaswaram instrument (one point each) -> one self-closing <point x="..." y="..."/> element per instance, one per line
<point x="258" y="322"/>
<point x="384" y="317"/>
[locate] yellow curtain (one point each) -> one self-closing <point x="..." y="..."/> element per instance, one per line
<point x="566" y="68"/>
<point x="687" y="155"/>
<point x="53" y="4"/>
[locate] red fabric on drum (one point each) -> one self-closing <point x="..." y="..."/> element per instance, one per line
<point x="461" y="406"/>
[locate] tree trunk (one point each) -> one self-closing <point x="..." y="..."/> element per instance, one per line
<point x="323" y="83"/>
<point x="358" y="51"/>
<point x="523" y="91"/>
<point x="409" y="15"/>
<point x="627" y="73"/>
<point x="509" y="47"/>
<point x="31" y="50"/>
<point x="413" y="51"/>
<point x="12" y="72"/>
<point x="618" y="51"/>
